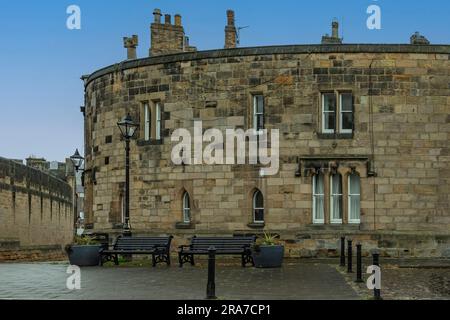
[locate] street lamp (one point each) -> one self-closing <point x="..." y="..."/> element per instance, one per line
<point x="77" y="161"/>
<point x="128" y="128"/>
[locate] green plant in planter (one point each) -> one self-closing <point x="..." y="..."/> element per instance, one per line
<point x="268" y="239"/>
<point x="268" y="251"/>
<point x="81" y="241"/>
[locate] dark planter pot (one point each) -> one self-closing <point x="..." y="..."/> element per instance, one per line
<point x="268" y="256"/>
<point x="84" y="256"/>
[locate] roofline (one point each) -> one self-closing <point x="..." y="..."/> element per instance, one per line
<point x="268" y="50"/>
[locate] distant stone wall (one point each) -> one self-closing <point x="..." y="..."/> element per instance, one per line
<point x="35" y="208"/>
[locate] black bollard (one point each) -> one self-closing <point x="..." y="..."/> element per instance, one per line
<point x="359" y="263"/>
<point x="349" y="257"/>
<point x="376" y="262"/>
<point x="342" y="251"/>
<point x="211" y="287"/>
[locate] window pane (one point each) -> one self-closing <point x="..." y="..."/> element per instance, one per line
<point x="329" y="102"/>
<point x="355" y="207"/>
<point x="259" y="214"/>
<point x="347" y="120"/>
<point x="158" y="122"/>
<point x="259" y="122"/>
<point x="187" y="215"/>
<point x="336" y="184"/>
<point x="347" y="102"/>
<point x="258" y="200"/>
<point x="329" y="120"/>
<point x="259" y="104"/>
<point x="319" y="209"/>
<point x="319" y="184"/>
<point x="186" y="201"/>
<point x="336" y="197"/>
<point x="354" y="184"/>
<point x="146" y="122"/>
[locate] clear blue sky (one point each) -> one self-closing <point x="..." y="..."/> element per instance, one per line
<point x="42" y="61"/>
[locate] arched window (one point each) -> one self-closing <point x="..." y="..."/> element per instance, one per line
<point x="318" y="198"/>
<point x="258" y="207"/>
<point x="336" y="198"/>
<point x="186" y="208"/>
<point x="354" y="198"/>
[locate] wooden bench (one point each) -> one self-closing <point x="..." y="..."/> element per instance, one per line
<point x="157" y="247"/>
<point x="223" y="245"/>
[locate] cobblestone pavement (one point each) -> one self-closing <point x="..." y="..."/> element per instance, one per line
<point x="293" y="281"/>
<point x="408" y="280"/>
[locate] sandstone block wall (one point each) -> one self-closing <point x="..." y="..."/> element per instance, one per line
<point x="35" y="208"/>
<point x="402" y="124"/>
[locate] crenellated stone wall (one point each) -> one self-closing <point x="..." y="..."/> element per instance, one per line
<point x="35" y="209"/>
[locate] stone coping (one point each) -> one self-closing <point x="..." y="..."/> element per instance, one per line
<point x="269" y="50"/>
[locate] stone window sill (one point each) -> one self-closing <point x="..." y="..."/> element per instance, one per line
<point x="184" y="225"/>
<point x="151" y="142"/>
<point x="256" y="225"/>
<point x="335" y="136"/>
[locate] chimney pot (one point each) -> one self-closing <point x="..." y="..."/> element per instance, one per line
<point x="167" y="19"/>
<point x="157" y="15"/>
<point x="335" y="28"/>
<point x="230" y="17"/>
<point x="178" y="20"/>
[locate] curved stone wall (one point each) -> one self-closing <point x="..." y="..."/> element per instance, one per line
<point x="399" y="146"/>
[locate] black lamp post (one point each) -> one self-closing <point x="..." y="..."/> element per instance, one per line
<point x="128" y="128"/>
<point x="77" y="161"/>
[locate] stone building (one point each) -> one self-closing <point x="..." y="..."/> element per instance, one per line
<point x="364" y="142"/>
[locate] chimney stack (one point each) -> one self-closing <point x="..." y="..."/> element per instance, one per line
<point x="131" y="44"/>
<point x="167" y="38"/>
<point x="230" y="31"/>
<point x="334" y="38"/>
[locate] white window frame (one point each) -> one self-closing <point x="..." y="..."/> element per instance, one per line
<point x="257" y="114"/>
<point x="324" y="130"/>
<point x="315" y="196"/>
<point x="258" y="208"/>
<point x="350" y="195"/>
<point x="158" y="121"/>
<point x="341" y="112"/>
<point x="186" y="208"/>
<point x="333" y="220"/>
<point x="147" y="122"/>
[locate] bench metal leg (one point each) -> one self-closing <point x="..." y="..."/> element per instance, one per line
<point x="116" y="260"/>
<point x="183" y="258"/>
<point x="180" y="260"/>
<point x="153" y="260"/>
<point x="168" y="259"/>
